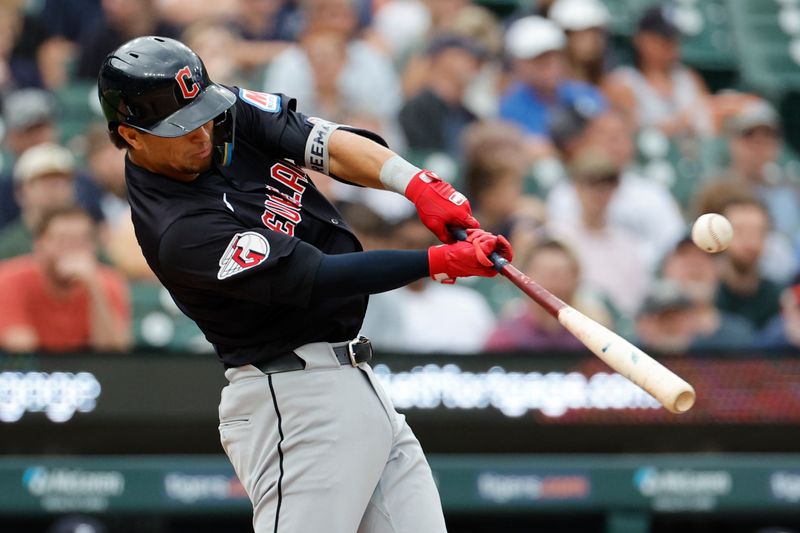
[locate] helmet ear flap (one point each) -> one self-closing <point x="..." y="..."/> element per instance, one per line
<point x="224" y="136"/>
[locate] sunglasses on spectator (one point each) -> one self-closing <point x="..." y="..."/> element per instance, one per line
<point x="604" y="180"/>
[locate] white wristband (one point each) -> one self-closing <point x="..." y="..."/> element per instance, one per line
<point x="396" y="173"/>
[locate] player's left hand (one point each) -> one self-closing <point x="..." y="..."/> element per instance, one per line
<point x="486" y="243"/>
<point x="439" y="205"/>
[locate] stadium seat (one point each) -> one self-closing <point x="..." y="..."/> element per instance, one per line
<point x="707" y="38"/>
<point x="767" y="37"/>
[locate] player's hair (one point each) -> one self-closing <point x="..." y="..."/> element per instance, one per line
<point x="52" y="215"/>
<point x="117" y="139"/>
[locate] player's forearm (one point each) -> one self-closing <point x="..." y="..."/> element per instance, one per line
<point x="369" y="272"/>
<point x="357" y="159"/>
<point x="107" y="330"/>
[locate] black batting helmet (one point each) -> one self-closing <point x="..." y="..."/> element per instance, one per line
<point x="160" y="86"/>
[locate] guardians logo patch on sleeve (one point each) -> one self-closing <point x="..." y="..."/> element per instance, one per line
<point x="246" y="250"/>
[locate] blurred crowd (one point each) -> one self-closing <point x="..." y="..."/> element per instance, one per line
<point x="581" y="148"/>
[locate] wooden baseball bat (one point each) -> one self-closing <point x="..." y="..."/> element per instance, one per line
<point x="664" y="385"/>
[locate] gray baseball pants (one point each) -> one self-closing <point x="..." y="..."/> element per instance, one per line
<point x="322" y="450"/>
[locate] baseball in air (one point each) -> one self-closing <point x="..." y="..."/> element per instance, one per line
<point x="712" y="232"/>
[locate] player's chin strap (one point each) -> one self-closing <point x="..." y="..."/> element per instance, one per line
<point x="224" y="137"/>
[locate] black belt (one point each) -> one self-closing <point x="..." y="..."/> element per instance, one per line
<point x="353" y="353"/>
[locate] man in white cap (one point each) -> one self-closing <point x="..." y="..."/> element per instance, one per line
<point x="28" y="119"/>
<point x="43" y="179"/>
<point x="535" y="46"/>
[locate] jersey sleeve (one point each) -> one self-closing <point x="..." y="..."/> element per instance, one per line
<point x="252" y="264"/>
<point x="272" y="122"/>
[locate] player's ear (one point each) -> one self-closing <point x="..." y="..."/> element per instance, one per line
<point x="132" y="136"/>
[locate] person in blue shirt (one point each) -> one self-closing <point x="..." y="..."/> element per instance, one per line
<point x="535" y="47"/>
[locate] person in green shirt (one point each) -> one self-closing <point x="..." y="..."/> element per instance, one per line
<point x="743" y="289"/>
<point x="44" y="178"/>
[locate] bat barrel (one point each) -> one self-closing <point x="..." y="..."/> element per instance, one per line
<point x="668" y="388"/>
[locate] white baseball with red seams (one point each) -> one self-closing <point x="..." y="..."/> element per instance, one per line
<point x="712" y="233"/>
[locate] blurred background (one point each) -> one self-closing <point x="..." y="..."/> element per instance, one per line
<point x="590" y="132"/>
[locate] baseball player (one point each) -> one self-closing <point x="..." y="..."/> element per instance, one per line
<point x="250" y="250"/>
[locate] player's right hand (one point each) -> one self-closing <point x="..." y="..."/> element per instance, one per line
<point x="447" y="262"/>
<point x="439" y="205"/>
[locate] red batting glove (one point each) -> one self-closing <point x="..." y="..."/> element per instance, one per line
<point x="485" y="243"/>
<point x="467" y="258"/>
<point x="439" y="205"/>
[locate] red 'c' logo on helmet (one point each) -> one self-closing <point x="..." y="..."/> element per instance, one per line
<point x="189" y="89"/>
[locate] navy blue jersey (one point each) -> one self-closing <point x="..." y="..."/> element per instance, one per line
<point x="238" y="248"/>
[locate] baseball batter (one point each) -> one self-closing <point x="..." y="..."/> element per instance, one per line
<point x="247" y="246"/>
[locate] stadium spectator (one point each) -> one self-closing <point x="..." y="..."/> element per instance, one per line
<point x="610" y="259"/>
<point x="106" y="170"/>
<point x="22" y="33"/>
<point x="399" y="28"/>
<point x="68" y="19"/>
<point x="527" y="326"/>
<point x="584" y="23"/>
<point x="335" y="75"/>
<point x="665" y="321"/>
<point x="217" y="44"/>
<point x="754" y="142"/>
<point x="659" y="91"/>
<point x="540" y="85"/>
<point x="122" y="20"/>
<point x="744" y="290"/>
<point x="11" y="22"/>
<point x="44" y="178"/>
<point x="495" y="169"/>
<point x="783" y="331"/>
<point x="59" y="298"/>
<point x="642" y="206"/>
<point x="400" y="320"/>
<point x="480" y="25"/>
<point x="443" y="12"/>
<point x="267" y="20"/>
<point x="28" y="118"/>
<point x="181" y="13"/>
<point x="473" y="22"/>
<point x="434" y="118"/>
<point x="696" y="272"/>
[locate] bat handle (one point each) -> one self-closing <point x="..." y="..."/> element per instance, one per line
<point x="498" y="261"/>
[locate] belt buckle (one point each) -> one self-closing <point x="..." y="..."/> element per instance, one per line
<point x="351" y="353"/>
